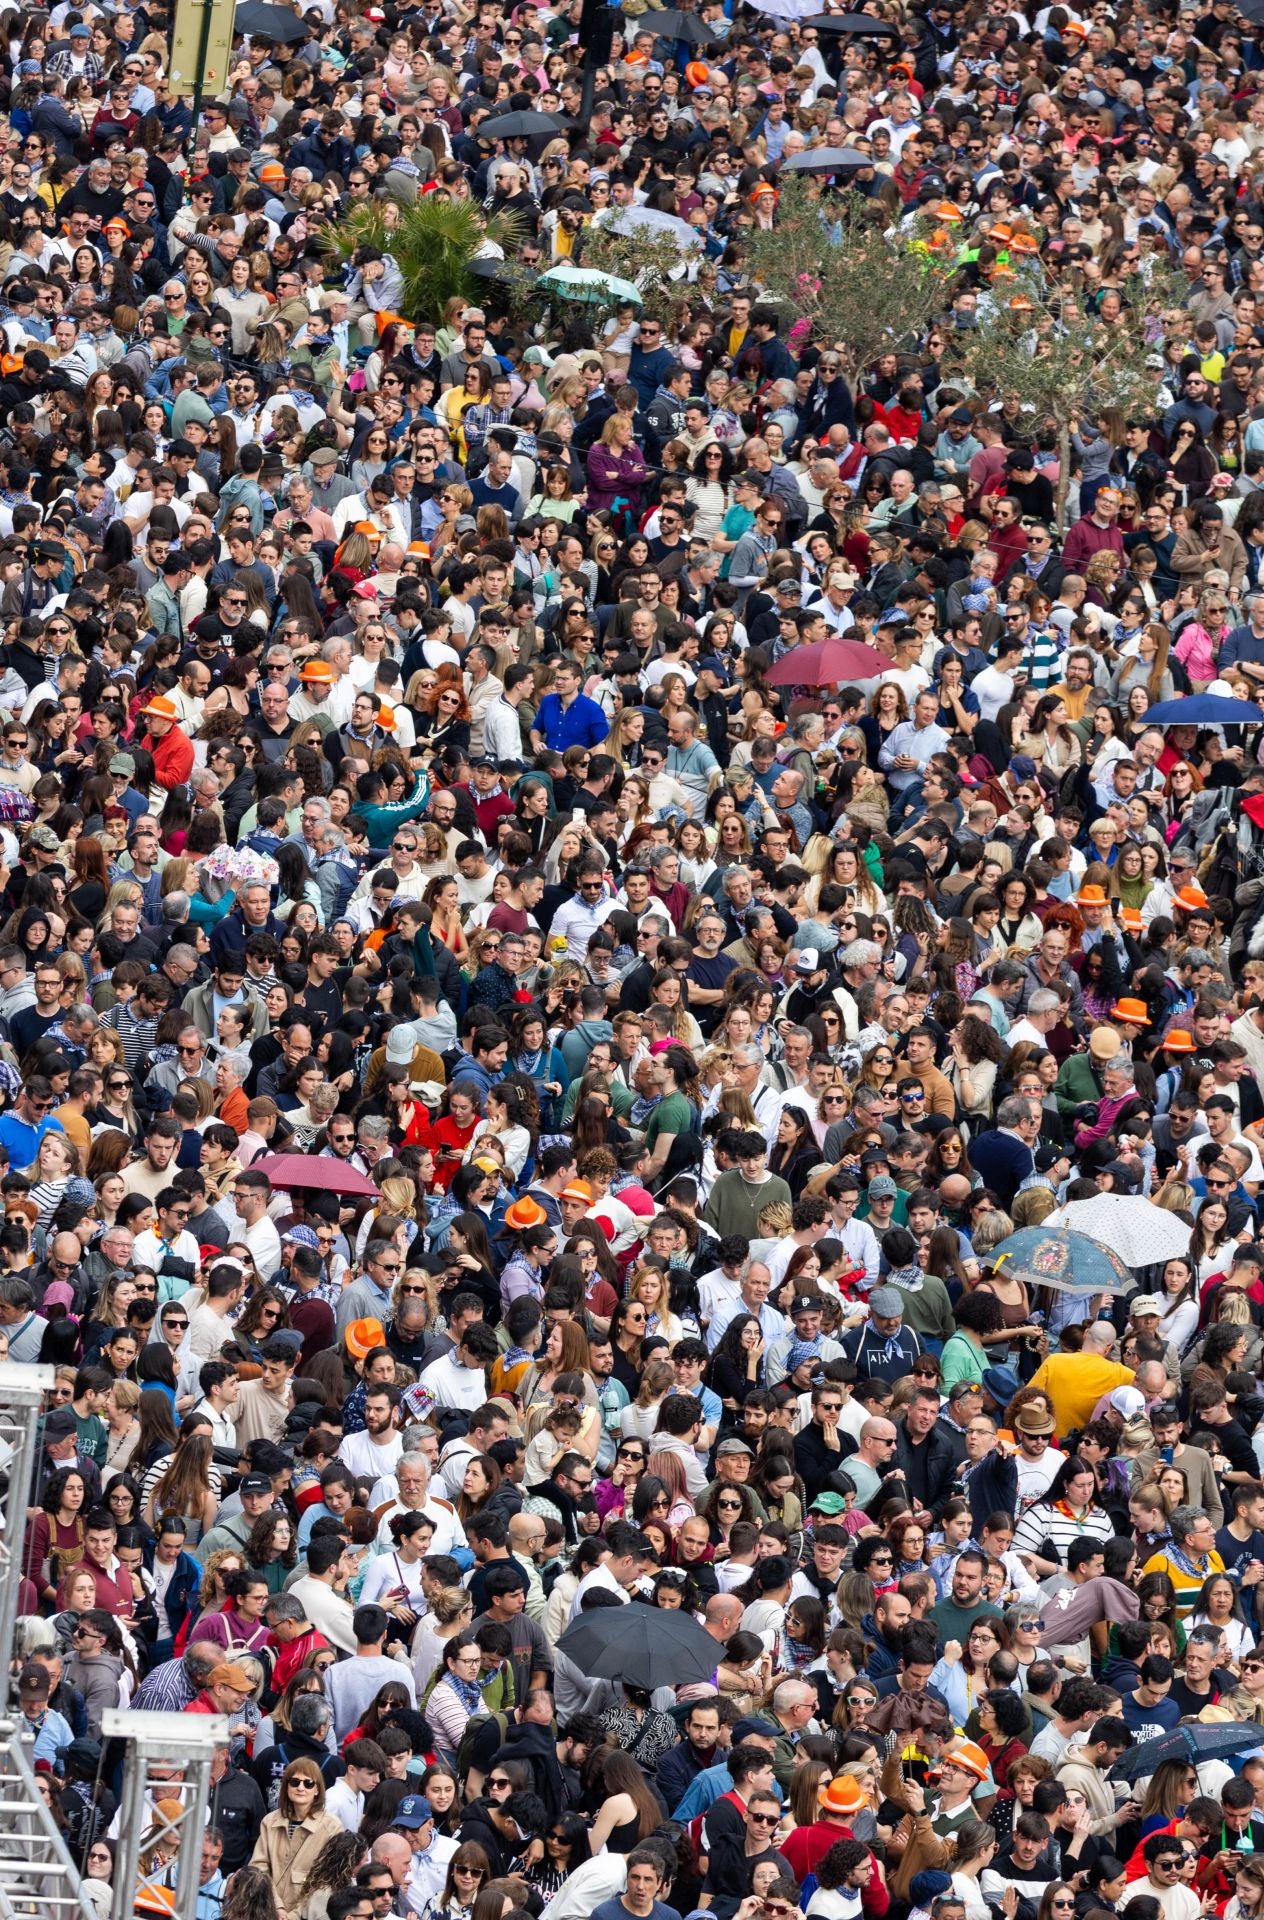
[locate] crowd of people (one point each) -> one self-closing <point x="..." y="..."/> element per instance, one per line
<point x="512" y="1102"/>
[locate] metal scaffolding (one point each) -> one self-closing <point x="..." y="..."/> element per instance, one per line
<point x="168" y="1759"/>
<point x="37" y="1874"/>
<point x="167" y="1755"/>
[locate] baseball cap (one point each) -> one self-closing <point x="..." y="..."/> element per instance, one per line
<point x="412" y="1812"/>
<point x="882" y="1187"/>
<point x="255" y="1483"/>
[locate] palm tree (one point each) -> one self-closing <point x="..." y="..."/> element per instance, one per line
<point x="432" y="242"/>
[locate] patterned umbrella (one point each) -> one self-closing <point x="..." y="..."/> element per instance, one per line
<point x="1130" y="1225"/>
<point x="1054" y="1257"/>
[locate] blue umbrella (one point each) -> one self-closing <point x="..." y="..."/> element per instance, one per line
<point x="1055" y="1257"/>
<point x="1204" y="710"/>
<point x="1186" y="1743"/>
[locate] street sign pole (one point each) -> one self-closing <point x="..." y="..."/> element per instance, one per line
<point x="201" y="49"/>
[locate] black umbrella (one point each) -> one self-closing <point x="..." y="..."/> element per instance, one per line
<point x="263" y="21"/>
<point x="671" y="24"/>
<point x="1251" y="10"/>
<point x="501" y="273"/>
<point x="827" y="160"/>
<point x="1187" y="1742"/>
<point x="522" y="126"/>
<point x="857" y="23"/>
<point x="648" y="1646"/>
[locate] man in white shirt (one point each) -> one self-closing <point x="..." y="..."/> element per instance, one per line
<point x="1041" y="1016"/>
<point x="459" y="1379"/>
<point x="1037" y="1462"/>
<point x="375" y="1451"/>
<point x="220" y="1388"/>
<point x="322" y="1592"/>
<point x="250" y="1224"/>
<point x="432" y="1851"/>
<point x="366" y="1769"/>
<point x="408" y="1490"/>
<point x="169" y="1235"/>
<point x="619" y="1569"/>
<point x="993" y="687"/>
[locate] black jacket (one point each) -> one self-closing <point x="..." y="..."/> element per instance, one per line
<point x="477" y="1827"/>
<point x="928" y="1467"/>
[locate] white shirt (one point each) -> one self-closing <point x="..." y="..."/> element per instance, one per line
<point x="1035" y="1477"/>
<point x="449" y="1534"/>
<point x="599" y="1577"/>
<point x="346" y="1806"/>
<point x="454" y="1385"/>
<point x="262" y="1239"/>
<point x="362" y="1455"/>
<point x="149" y="1249"/>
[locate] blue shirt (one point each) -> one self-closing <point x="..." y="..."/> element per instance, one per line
<point x="21" y="1141"/>
<point x="52" y="1737"/>
<point x="582" y="724"/>
<point x="707" y="1787"/>
<point x="712" y="1405"/>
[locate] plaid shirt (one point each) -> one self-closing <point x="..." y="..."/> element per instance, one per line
<point x="477" y="422"/>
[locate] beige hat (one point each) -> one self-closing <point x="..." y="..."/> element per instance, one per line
<point x="1104" y="1043"/>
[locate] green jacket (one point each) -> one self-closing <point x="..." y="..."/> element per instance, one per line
<point x="1078" y="1082"/>
<point x="382" y="821"/>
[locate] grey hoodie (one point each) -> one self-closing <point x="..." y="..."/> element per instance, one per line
<point x="96" y="1675"/>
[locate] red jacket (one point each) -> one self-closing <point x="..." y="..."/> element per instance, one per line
<point x="114" y="1590"/>
<point x="173" y="758"/>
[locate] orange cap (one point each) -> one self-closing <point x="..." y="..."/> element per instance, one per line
<point x="160" y="708"/>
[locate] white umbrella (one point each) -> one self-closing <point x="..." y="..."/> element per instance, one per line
<point x="651" y="220"/>
<point x="1130" y="1225"/>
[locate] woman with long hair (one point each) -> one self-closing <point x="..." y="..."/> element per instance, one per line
<point x="271" y="1548"/>
<point x="629" y="1813"/>
<point x="1069" y="1511"/>
<point x="187" y="1485"/>
<point x="1173" y="1784"/>
<point x="1178" y="1322"/>
<point x="55" y="1536"/>
<point x="1212" y="1241"/>
<point x="449" y="1615"/>
<point x="238" y="1624"/>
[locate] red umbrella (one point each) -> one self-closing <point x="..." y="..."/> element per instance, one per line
<point x="827" y="663"/>
<point x="297" y="1171"/>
